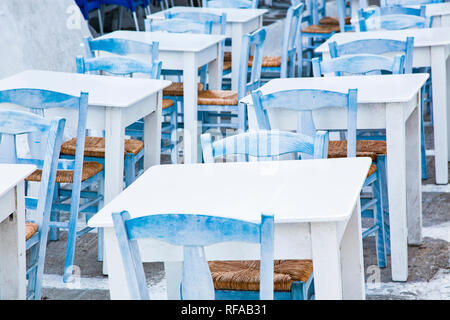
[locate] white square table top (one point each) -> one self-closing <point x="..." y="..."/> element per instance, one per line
<point x="104" y="91"/>
<point x="422" y="37"/>
<point x="233" y="14"/>
<point x="371" y="88"/>
<point x="12" y="174"/>
<point x="189" y="42"/>
<point x="295" y="191"/>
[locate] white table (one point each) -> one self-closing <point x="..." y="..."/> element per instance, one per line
<point x="114" y="103"/>
<point x="440" y="13"/>
<point x="431" y="48"/>
<point x="239" y="22"/>
<point x="13" y="283"/>
<point x="388" y="101"/>
<point x="315" y="204"/>
<point x="187" y="52"/>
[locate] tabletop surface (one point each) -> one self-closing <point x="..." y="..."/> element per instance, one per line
<point x="293" y="190"/>
<point x="12" y="174"/>
<point x="422" y="37"/>
<point x="190" y="42"/>
<point x="233" y="14"/>
<point x="371" y="88"/>
<point x="105" y="91"/>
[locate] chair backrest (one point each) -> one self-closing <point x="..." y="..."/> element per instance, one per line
<point x="122" y="66"/>
<point x="121" y="47"/>
<point x="376" y="46"/>
<point x="242" y="4"/>
<point x="316" y="11"/>
<point x="387" y="3"/>
<point x="265" y="144"/>
<point x="291" y="46"/>
<point x="393" y="18"/>
<point x="14" y="123"/>
<point x="178" y="25"/>
<point x="193" y="232"/>
<point x="359" y="64"/>
<point x="203" y="17"/>
<point x="306" y="101"/>
<point x="253" y="40"/>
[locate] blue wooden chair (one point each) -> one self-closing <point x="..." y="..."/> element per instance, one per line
<point x="13" y="124"/>
<point x="357" y="64"/>
<point x="308" y="100"/>
<point x="316" y="33"/>
<point x="291" y="48"/>
<point x="220" y="104"/>
<point x="150" y="53"/>
<point x="231" y="278"/>
<point x="75" y="179"/>
<point x="88" y="5"/>
<point x="242" y="4"/>
<point x="193" y="232"/>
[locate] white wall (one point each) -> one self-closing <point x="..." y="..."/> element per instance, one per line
<point x="43" y="34"/>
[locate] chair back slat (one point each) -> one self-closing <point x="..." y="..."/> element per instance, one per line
<point x="291" y="44"/>
<point x="178" y="25"/>
<point x="193" y="232"/>
<point x="388" y="3"/>
<point x="242" y="4"/>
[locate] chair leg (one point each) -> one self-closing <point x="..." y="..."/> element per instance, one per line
<point x="120" y="18"/>
<point x="54" y="216"/>
<point x="32" y="274"/>
<point x="422" y="138"/>
<point x="381" y="167"/>
<point x="379" y="221"/>
<point x="136" y="23"/>
<point x="100" y="21"/>
<point x="100" y="247"/>
<point x="130" y="169"/>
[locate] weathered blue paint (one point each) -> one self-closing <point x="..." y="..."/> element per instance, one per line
<point x="242" y="4"/>
<point x="193" y="232"/>
<point x="393" y="18"/>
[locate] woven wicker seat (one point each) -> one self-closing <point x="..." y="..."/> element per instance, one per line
<point x="321" y="28"/>
<point x="167" y="103"/>
<point x="244" y="275"/>
<point x="227" y="65"/>
<point x="227" y="56"/>
<point x="90" y="169"/>
<point x="176" y="89"/>
<point x="218" y="97"/>
<point x="30" y="230"/>
<point x="334" y="21"/>
<point x="267" y="61"/>
<point x="95" y="147"/>
<point x="364" y="148"/>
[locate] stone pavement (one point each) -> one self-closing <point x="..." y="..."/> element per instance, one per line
<point x="429" y="270"/>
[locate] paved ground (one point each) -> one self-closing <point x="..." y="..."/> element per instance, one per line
<point x="429" y="270"/>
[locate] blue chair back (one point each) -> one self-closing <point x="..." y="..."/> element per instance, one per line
<point x="246" y="82"/>
<point x="193" y="232"/>
<point x="178" y="25"/>
<point x="292" y="45"/>
<point x="88" y="5"/>
<point x="265" y="144"/>
<point x="203" y="17"/>
<point x="242" y="4"/>
<point x="387" y="3"/>
<point x="122" y="66"/>
<point x="316" y="12"/>
<point x="393" y="18"/>
<point x="376" y="46"/>
<point x="305" y="101"/>
<point x="359" y="64"/>
<point x="121" y="47"/>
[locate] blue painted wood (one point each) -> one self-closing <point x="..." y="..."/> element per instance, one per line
<point x="178" y="25"/>
<point x="247" y="81"/>
<point x="376" y="46"/>
<point x="193" y="232"/>
<point x="242" y="4"/>
<point x="387" y="3"/>
<point x="392" y="18"/>
<point x="265" y="144"/>
<point x="12" y="124"/>
<point x="359" y="64"/>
